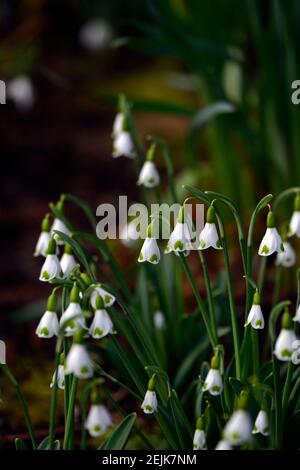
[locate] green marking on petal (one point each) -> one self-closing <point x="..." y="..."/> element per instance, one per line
<point x="266" y="429"/>
<point x="44" y="331"/>
<point x="235" y="436"/>
<point x="46" y="275"/>
<point x="153" y="259"/>
<point x="178" y="245"/>
<point x="258" y="323"/>
<point x="202" y="244"/>
<point x="84" y="369"/>
<point x="148" y="407"/>
<point x="286" y="353"/>
<point x="215" y="388"/>
<point x="255" y="428"/>
<point x="150" y="180"/>
<point x="141" y="257"/>
<point x="107" y="298"/>
<point x="219" y="244"/>
<point x="97" y="331"/>
<point x="97" y="428"/>
<point x="265" y="249"/>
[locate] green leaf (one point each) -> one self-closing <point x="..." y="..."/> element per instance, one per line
<point x="236" y="385"/>
<point x="119" y="437"/>
<point x="20" y="445"/>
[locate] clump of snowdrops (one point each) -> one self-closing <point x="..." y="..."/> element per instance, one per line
<point x="212" y="378"/>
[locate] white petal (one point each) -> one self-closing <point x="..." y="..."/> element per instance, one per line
<point x="61" y="227"/>
<point x="286" y="258"/>
<point x="199" y="441"/>
<point x="42" y="244"/>
<point x="51" y="269"/>
<point x="78" y="362"/>
<point x="60" y="378"/>
<point x="72" y="319"/>
<point x="223" y="445"/>
<point x="270" y="243"/>
<point x="180" y="239"/>
<point x="295" y="224"/>
<point x="256" y="317"/>
<point x="48" y="325"/>
<point x="107" y="298"/>
<point x="149" y="404"/>
<point x="213" y="382"/>
<point x="149" y="252"/>
<point x="123" y="146"/>
<point x="98" y="420"/>
<point x="283" y="346"/>
<point x="101" y="325"/>
<point x="239" y="428"/>
<point x="297" y="316"/>
<point x="118" y="124"/>
<point x="67" y="263"/>
<point x="209" y="237"/>
<point x="149" y="176"/>
<point x="261" y="424"/>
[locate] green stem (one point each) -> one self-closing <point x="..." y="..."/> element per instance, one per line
<point x="15" y="384"/>
<point x="211" y="306"/>
<point x="287" y="387"/>
<point x="255" y="351"/>
<point x="70" y="416"/>
<point x="53" y="406"/>
<point x="213" y="339"/>
<point x="277" y="404"/>
<point x="262" y="274"/>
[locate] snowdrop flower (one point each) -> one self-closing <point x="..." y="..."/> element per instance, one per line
<point x="44" y="238"/>
<point x="149" y="251"/>
<point x="238" y="429"/>
<point x="108" y="299"/>
<point x="199" y="441"/>
<point x="296" y="352"/>
<point x="72" y="319"/>
<point x="294" y="228"/>
<point x="60" y="379"/>
<point x="129" y="234"/>
<point x="48" y="325"/>
<point x="255" y="316"/>
<point x="261" y="424"/>
<point x="149" y="404"/>
<point x="51" y="268"/>
<point x="223" y="445"/>
<point x="101" y="324"/>
<point x="213" y="382"/>
<point x="118" y="125"/>
<point x="59" y="225"/>
<point x="286" y="258"/>
<point x="123" y="146"/>
<point x="20" y="91"/>
<point x="297" y="316"/>
<point x="180" y="238"/>
<point x="159" y="320"/>
<point x="95" y="35"/>
<point x="209" y="236"/>
<point x="271" y="242"/>
<point x="78" y="361"/>
<point x="283" y="347"/>
<point x="149" y="176"/>
<point x="67" y="261"/>
<point x="98" y="421"/>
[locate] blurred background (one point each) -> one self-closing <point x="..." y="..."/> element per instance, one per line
<point x="211" y="77"/>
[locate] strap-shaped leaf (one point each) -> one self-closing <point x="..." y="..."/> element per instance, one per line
<point x="119" y="437"/>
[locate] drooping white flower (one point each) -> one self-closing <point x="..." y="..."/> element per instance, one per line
<point x="238" y="429"/>
<point x="283" y="346"/>
<point x="199" y="440"/>
<point x="129" y="234"/>
<point x="149" y="404"/>
<point x="149" y="251"/>
<point x="255" y="316"/>
<point x="223" y="445"/>
<point x="72" y="319"/>
<point x="297" y="316"/>
<point x="78" y="361"/>
<point x="20" y="90"/>
<point x="209" y="236"/>
<point x="294" y="227"/>
<point x="44" y="238"/>
<point x="51" y="268"/>
<point x="271" y="242"/>
<point x="61" y="227"/>
<point x="95" y="35"/>
<point x="261" y="424"/>
<point x="296" y="352"/>
<point x="60" y="378"/>
<point x="180" y="240"/>
<point x="101" y="325"/>
<point x="48" y="326"/>
<point x="213" y="382"/>
<point x="67" y="261"/>
<point x="286" y="258"/>
<point x="98" y="421"/>
<point x="149" y="176"/>
<point x="123" y="145"/>
<point x="118" y="125"/>
<point x="159" y="320"/>
<point x="107" y="298"/>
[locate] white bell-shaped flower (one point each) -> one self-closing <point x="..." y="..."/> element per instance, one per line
<point x="60" y="226"/>
<point x="149" y="251"/>
<point x="67" y="261"/>
<point x="149" y="176"/>
<point x="209" y="236"/>
<point x="118" y="125"/>
<point x="239" y="428"/>
<point x="213" y="382"/>
<point x="60" y="377"/>
<point x="129" y="234"/>
<point x="101" y="325"/>
<point x="297" y="316"/>
<point x="296" y="352"/>
<point x="95" y="35"/>
<point x="159" y="320"/>
<point x="44" y="238"/>
<point x="286" y="258"/>
<point x="223" y="445"/>
<point x="271" y="242"/>
<point x="123" y="145"/>
<point x="98" y="421"/>
<point x="283" y="346"/>
<point x="78" y="361"/>
<point x="20" y="90"/>
<point x="48" y="326"/>
<point x="199" y="440"/>
<point x="180" y="240"/>
<point x="261" y="424"/>
<point x="51" y="268"/>
<point x="72" y="319"/>
<point x="149" y="404"/>
<point x="294" y="227"/>
<point x="107" y="297"/>
<point x="255" y="316"/>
